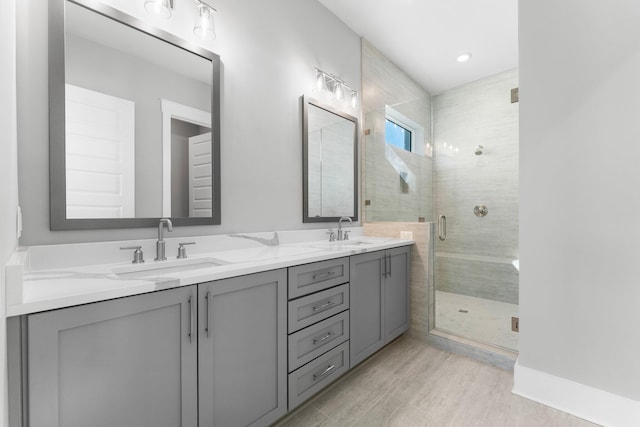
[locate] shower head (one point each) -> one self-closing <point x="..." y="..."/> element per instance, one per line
<point x="479" y="150"/>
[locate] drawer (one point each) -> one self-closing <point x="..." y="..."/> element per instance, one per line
<point x="313" y="308"/>
<point x="317" y="276"/>
<point x="309" y="343"/>
<point x="314" y="376"/>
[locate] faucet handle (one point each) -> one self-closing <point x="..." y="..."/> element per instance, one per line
<point x="182" y="251"/>
<point x="332" y="235"/>
<point x="345" y="234"/>
<point x="138" y="255"/>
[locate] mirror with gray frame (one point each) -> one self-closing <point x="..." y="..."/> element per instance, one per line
<point x="134" y="122"/>
<point x="330" y="163"/>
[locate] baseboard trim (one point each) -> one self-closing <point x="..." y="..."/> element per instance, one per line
<point x="577" y="399"/>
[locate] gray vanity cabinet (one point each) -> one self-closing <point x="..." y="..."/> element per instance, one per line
<point x="124" y="362"/>
<point x="379" y="300"/>
<point x="396" y="288"/>
<point x="242" y="356"/>
<point x="318" y="327"/>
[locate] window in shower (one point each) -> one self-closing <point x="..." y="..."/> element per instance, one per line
<point x="402" y="132"/>
<point x="398" y="135"/>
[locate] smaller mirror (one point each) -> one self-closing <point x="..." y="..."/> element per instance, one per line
<point x="330" y="163"/>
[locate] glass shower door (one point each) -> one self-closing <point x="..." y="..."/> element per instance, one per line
<point x="475" y="184"/>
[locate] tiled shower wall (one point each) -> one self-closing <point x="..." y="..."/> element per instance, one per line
<point x="387" y="196"/>
<point x="475" y="259"/>
<point x="330" y="155"/>
<point x="394" y="207"/>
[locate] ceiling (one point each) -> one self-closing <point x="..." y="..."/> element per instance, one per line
<point x="424" y="37"/>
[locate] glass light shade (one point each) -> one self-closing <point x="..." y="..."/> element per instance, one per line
<point x="205" y="28"/>
<point x="354" y="99"/>
<point x="339" y="92"/>
<point x="320" y="85"/>
<point x="160" y="8"/>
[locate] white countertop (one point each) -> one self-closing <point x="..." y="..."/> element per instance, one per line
<point x="39" y="284"/>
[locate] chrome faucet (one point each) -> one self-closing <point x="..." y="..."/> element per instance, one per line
<point x="344" y="236"/>
<point x="160" y="253"/>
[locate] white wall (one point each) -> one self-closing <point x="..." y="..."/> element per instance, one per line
<point x="268" y="51"/>
<point x="8" y="173"/>
<point x="580" y="192"/>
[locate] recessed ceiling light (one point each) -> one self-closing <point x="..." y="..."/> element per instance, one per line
<point x="464" y="57"/>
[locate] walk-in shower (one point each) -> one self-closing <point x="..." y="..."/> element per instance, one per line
<point x="476" y="198"/>
<point x="445" y="167"/>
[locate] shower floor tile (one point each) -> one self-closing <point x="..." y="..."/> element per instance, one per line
<point x="479" y="319"/>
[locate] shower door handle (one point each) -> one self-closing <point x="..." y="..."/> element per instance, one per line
<point x="442" y="227"/>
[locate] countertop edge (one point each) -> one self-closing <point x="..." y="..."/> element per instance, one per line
<point x="137" y="287"/>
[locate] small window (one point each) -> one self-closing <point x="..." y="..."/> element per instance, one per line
<point x="398" y="135"/>
<point x="404" y="133"/>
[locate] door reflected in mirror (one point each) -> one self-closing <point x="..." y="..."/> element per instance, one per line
<point x="139" y="138"/>
<point x="330" y="163"/>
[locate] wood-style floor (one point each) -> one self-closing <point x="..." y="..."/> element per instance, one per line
<point x="410" y="383"/>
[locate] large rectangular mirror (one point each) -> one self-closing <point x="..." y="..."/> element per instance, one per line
<point x="134" y="122"/>
<point x="330" y="151"/>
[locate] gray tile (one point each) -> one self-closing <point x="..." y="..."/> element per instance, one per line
<point x="410" y="383"/>
<point x="390" y="411"/>
<point x="308" y="417"/>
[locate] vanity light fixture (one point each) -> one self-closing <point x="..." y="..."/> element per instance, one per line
<point x="160" y="8"/>
<point x="336" y="87"/>
<point x="204" y="28"/>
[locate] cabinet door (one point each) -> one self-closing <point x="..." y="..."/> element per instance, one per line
<point x="124" y="362"/>
<point x="242" y="354"/>
<point x="397" y="292"/>
<point x="366" y="301"/>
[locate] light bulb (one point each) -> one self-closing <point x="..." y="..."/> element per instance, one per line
<point x="354" y="99"/>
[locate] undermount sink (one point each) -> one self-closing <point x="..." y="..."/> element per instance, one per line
<point x="347" y="244"/>
<point x="153" y="268"/>
<point x="355" y="243"/>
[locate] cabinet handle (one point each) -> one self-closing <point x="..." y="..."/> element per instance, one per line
<point x="207" y="297"/>
<point x="190" y="319"/>
<point x="389" y="271"/>
<point x="317" y="341"/>
<point x="324" y="275"/>
<point x="387" y="267"/>
<point x="384" y="271"/>
<point x="323" y="306"/>
<point x="330" y="368"/>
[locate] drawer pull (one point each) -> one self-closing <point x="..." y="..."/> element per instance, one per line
<point x="317" y="341"/>
<point x="323" y="275"/>
<point x="330" y="368"/>
<point x="323" y="306"/>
